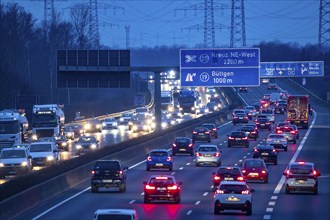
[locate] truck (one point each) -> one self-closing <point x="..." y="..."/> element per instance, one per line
<point x="47" y="120"/>
<point x="298" y="110"/>
<point x="187" y="101"/>
<point x="166" y="100"/>
<point x="13" y="128"/>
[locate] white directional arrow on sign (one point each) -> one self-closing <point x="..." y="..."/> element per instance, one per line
<point x="280" y="72"/>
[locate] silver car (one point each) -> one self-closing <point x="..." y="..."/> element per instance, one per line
<point x="278" y="141"/>
<point x="208" y="154"/>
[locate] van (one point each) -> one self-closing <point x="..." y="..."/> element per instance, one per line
<point x="120" y="214"/>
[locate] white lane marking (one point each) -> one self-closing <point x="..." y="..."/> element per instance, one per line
<point x="235" y="164"/>
<point x="248" y="153"/>
<point x="137" y="164"/>
<point x="172" y="173"/>
<point x="271" y="203"/>
<point x="57" y="205"/>
<point x="220" y="144"/>
<point x="274" y="197"/>
<point x="205" y="194"/>
<point x="282" y="180"/>
<point x="244" y="157"/>
<point x="131" y="202"/>
<point x="142" y="194"/>
<point x="240" y="161"/>
<point x="181" y="168"/>
<point x="188" y="164"/>
<point x="269" y="210"/>
<point x="197" y="203"/>
<point x="189" y="212"/>
<point x="266" y="217"/>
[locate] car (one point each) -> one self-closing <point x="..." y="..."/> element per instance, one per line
<point x="47" y="139"/>
<point x="278" y="141"/>
<point x="139" y="125"/>
<point x="254" y="126"/>
<point x="183" y="145"/>
<point x="255" y="169"/>
<point x="227" y="173"/>
<point x="240" y="118"/>
<point x="257" y="107"/>
<point x="269" y="113"/>
<point x="44" y="154"/>
<point x="301" y="176"/>
<point x="162" y="187"/>
<point x="78" y="129"/>
<point x="212" y="106"/>
<point x="272" y="86"/>
<point x="283" y="104"/>
<point x="279" y="109"/>
<point x="15" y="161"/>
<point x="109" y="123"/>
<point x="250" y="111"/>
<point x="266" y="152"/>
<point x="159" y="159"/>
<point x="238" y="138"/>
<point x="281" y="124"/>
<point x="92" y="125"/>
<point x="208" y="154"/>
<point x="233" y="195"/>
<point x="290" y="133"/>
<point x="263" y="123"/>
<point x="68" y="132"/>
<point x="85" y="144"/>
<point x="243" y="89"/>
<point x="250" y="132"/>
<point x="142" y="111"/>
<point x="120" y="214"/>
<point x="296" y="130"/>
<point x="125" y="118"/>
<point x="61" y="142"/>
<point x="213" y="129"/>
<point x="238" y="111"/>
<point x="108" y="174"/>
<point x="264" y="103"/>
<point x="201" y="134"/>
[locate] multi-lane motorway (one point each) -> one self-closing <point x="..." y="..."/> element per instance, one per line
<point x="269" y="200"/>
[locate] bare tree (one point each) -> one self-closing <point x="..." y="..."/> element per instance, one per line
<point x="80" y="20"/>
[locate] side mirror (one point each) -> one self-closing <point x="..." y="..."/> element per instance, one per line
<point x="29" y="157"/>
<point x="252" y="190"/>
<point x="180" y="183"/>
<point x="213" y="173"/>
<point x="227" y="135"/>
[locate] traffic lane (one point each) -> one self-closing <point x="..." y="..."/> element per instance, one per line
<point x="306" y="205"/>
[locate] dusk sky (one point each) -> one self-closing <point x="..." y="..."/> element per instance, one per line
<point x="161" y="22"/>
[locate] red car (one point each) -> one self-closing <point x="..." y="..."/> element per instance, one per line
<point x="255" y="170"/>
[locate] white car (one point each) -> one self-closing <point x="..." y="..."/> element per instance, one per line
<point x="278" y="141"/>
<point x="125" y="118"/>
<point x="15" y="161"/>
<point x="129" y="214"/>
<point x="44" y="153"/>
<point x="109" y="123"/>
<point x="269" y="113"/>
<point x="233" y="195"/>
<point x="301" y="176"/>
<point x="208" y="154"/>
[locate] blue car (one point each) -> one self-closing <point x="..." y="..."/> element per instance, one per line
<point x="159" y="159"/>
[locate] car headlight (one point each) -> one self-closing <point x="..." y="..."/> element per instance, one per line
<point x="172" y="122"/>
<point x="69" y="134"/>
<point x="93" y="146"/>
<point x="98" y="126"/>
<point x="81" y="131"/>
<point x="193" y="108"/>
<point x="164" y="125"/>
<point x="2" y="165"/>
<point x="78" y="147"/>
<point x="87" y="126"/>
<point x="145" y="127"/>
<point x="216" y="95"/>
<point x="206" y="110"/>
<point x="50" y="158"/>
<point x="24" y="164"/>
<point x="64" y="144"/>
<point x="134" y="127"/>
<point x="121" y="119"/>
<point x="104" y="124"/>
<point x="34" y="137"/>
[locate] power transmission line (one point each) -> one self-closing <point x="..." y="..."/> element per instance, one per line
<point x="324" y="24"/>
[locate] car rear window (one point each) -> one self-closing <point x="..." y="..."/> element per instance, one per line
<point x="299" y="169"/>
<point x="253" y="163"/>
<point x="182" y="141"/>
<point x="158" y="153"/>
<point x="209" y="126"/>
<point x="114" y="216"/>
<point x="207" y="149"/>
<point x="247" y="128"/>
<point x="112" y="165"/>
<point x="237" y="134"/>
<point x="161" y="181"/>
<point x="275" y="136"/>
<point x="233" y="189"/>
<point x="224" y="171"/>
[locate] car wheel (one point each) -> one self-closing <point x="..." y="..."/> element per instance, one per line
<point x="266" y="180"/>
<point x="287" y="190"/>
<point x="249" y="209"/>
<point x="146" y="200"/>
<point x="216" y="208"/>
<point x="191" y="154"/>
<point x="229" y="145"/>
<point x="315" y="192"/>
<point x="218" y="164"/>
<point x="286" y="149"/>
<point x="294" y="141"/>
<point x="95" y="189"/>
<point x="122" y="188"/>
<point x="197" y="164"/>
<point x="148" y="168"/>
<point x="177" y="199"/>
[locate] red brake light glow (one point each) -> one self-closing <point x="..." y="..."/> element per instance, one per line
<point x="174" y="187"/>
<point x="174" y="145"/>
<point x="217" y="178"/>
<point x="198" y="154"/>
<point x="263" y="171"/>
<point x="207" y="132"/>
<point x="190" y="145"/>
<point x="161" y="177"/>
<point x="219" y="191"/>
<point x="149" y="158"/>
<point x="150" y="187"/>
<point x="301" y="162"/>
<point x="231" y="138"/>
<point x="93" y="172"/>
<point x="216" y="154"/>
<point x="168" y="159"/>
<point x="245" y="192"/>
<point x="244" y="138"/>
<point x="194" y="132"/>
<point x="240" y="178"/>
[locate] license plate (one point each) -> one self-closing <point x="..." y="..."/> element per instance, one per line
<point x="247" y="132"/>
<point x="237" y="138"/>
<point x="301" y="181"/>
<point x="264" y="153"/>
<point x="207" y="155"/>
<point x="107" y="181"/>
<point x="233" y="199"/>
<point x="159" y="164"/>
<point x="200" y="133"/>
<point x="227" y="178"/>
<point x="161" y="188"/>
<point x="182" y="149"/>
<point x="262" y="125"/>
<point x="240" y="117"/>
<point x="253" y="174"/>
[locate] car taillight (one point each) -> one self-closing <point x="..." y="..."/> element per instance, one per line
<point x="216" y="155"/>
<point x="277" y="128"/>
<point x="263" y="171"/>
<point x="235" y="117"/>
<point x="149" y="158"/>
<point x="217" y="178"/>
<point x="243" y="171"/>
<point x="174" y="187"/>
<point x="198" y="154"/>
<point x="214" y="129"/>
<point x="174" y="145"/>
<point x="244" y="138"/>
<point x="288" y="172"/>
<point x="120" y="172"/>
<point x="219" y="191"/>
<point x="231" y="138"/>
<point x="240" y="178"/>
<point x="245" y="192"/>
<point x="257" y="122"/>
<point x="279" y="132"/>
<point x="194" y="132"/>
<point x="245" y="117"/>
<point x="292" y="132"/>
<point x="93" y="172"/>
<point x="315" y="173"/>
<point x="207" y="132"/>
<point x="168" y="159"/>
<point x="253" y="132"/>
<point x="256" y="150"/>
<point x="148" y="187"/>
<point x="190" y="145"/>
<point x="267" y="122"/>
<point x="274" y="150"/>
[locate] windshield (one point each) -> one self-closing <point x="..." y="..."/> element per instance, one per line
<point x="159" y="154"/>
<point x="166" y="99"/>
<point x="43" y="119"/>
<point x="187" y="99"/>
<point x="86" y="139"/>
<point x="10" y="154"/>
<point x="182" y="141"/>
<point x="9" y="127"/>
<point x="114" y="216"/>
<point x="40" y="148"/>
<point x="207" y="149"/>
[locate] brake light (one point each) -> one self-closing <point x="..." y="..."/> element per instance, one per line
<point x="217" y="178"/>
<point x="257" y="122"/>
<point x="277" y="128"/>
<point x="301" y="162"/>
<point x="168" y="159"/>
<point x="314" y="173"/>
<point x="267" y="123"/>
<point x="231" y="138"/>
<point x="214" y="129"/>
<point x="120" y="172"/>
<point x="174" y="145"/>
<point x="190" y="145"/>
<point x="235" y="117"/>
<point x="263" y="171"/>
<point x="244" y="138"/>
<point x="253" y="132"/>
<point x="279" y="132"/>
<point x="256" y="150"/>
<point x="194" y="132"/>
<point x="292" y="132"/>
<point x="216" y="155"/>
<point x="219" y="191"/>
<point x="161" y="177"/>
<point x="174" y="187"/>
<point x="274" y="150"/>
<point x="240" y="178"/>
<point x="243" y="171"/>
<point x="245" y="192"/>
<point x="93" y="172"/>
<point x="286" y="127"/>
<point x="207" y="132"/>
<point x="150" y="187"/>
<point x="149" y="158"/>
<point x="198" y="154"/>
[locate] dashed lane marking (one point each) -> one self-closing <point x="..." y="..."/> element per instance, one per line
<point x="131" y="202"/>
<point x="205" y="194"/>
<point x="274" y="197"/>
<point x="269" y="210"/>
<point x="267" y="217"/>
<point x="181" y="168"/>
<point x="188" y="164"/>
<point x="172" y="173"/>
<point x="189" y="212"/>
<point x="197" y="203"/>
<point x="271" y="203"/>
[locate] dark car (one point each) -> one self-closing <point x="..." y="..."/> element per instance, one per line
<point x="250" y="132"/>
<point x="213" y="129"/>
<point x="263" y="123"/>
<point x="68" y="132"/>
<point x="108" y="173"/>
<point x="227" y="173"/>
<point x="159" y="159"/>
<point x="281" y="124"/>
<point x="254" y="126"/>
<point x="61" y="142"/>
<point x="238" y="138"/>
<point x="255" y="170"/>
<point x="243" y="89"/>
<point x="279" y="109"/>
<point x="162" y="187"/>
<point x="93" y="125"/>
<point x="201" y="134"/>
<point x="266" y="152"/>
<point x="86" y="143"/>
<point x="283" y="103"/>
<point x="78" y="129"/>
<point x="257" y="107"/>
<point x="240" y="118"/>
<point x="183" y="145"/>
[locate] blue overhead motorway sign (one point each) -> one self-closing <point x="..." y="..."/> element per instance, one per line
<point x="220" y="67"/>
<point x="291" y="69"/>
